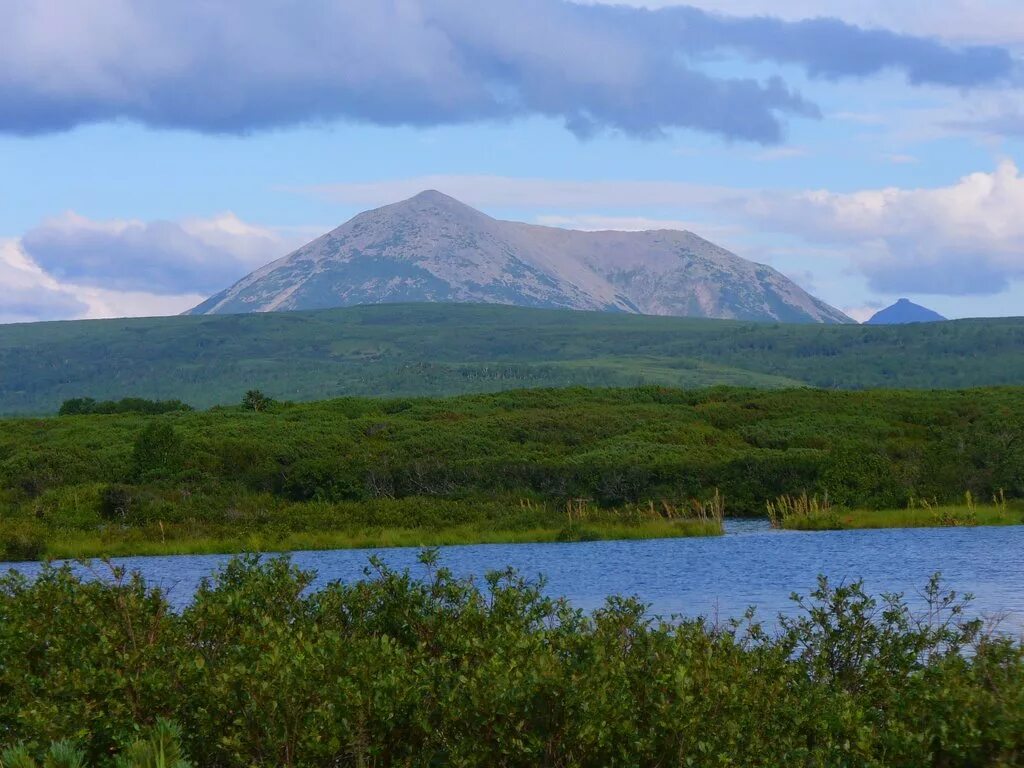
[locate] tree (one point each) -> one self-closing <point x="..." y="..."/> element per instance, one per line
<point x="255" y="400"/>
<point x="158" y="450"/>
<point x="77" y="406"/>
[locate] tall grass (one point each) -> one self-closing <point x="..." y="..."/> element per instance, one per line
<point x="537" y="523"/>
<point x="809" y="514"/>
<point x="802" y="511"/>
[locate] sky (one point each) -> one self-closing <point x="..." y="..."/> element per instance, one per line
<point x="152" y="153"/>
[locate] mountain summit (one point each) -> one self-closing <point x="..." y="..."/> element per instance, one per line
<point x="433" y="248"/>
<point x="904" y="311"/>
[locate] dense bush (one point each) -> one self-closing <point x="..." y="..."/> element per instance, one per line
<point x="262" y="670"/>
<point x="341" y="462"/>
<point x="871" y="449"/>
<point x="84" y="405"/>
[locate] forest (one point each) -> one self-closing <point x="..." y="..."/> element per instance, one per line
<point x="403" y="350"/>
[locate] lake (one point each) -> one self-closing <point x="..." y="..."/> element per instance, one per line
<point x="716" y="577"/>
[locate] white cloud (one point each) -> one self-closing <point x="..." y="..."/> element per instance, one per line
<point x="103" y="303"/>
<point x="73" y="267"/>
<point x="966" y="238"/>
<point x="160" y="257"/>
<point x="862" y="313"/>
<point x="27" y="292"/>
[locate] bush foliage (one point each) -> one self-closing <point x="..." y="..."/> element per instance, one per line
<point x="83" y="405"/>
<point x="519" y="460"/>
<point x="262" y="670"/>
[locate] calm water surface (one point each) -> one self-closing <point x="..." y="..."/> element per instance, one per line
<point x="718" y="577"/>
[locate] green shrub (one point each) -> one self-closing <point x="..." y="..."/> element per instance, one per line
<point x="620" y="449"/>
<point x="61" y="754"/>
<point x="116" y="502"/>
<point x="158" y="747"/>
<point x="22" y="540"/>
<point x="255" y="400"/>
<point x="263" y="670"/>
<point x="158" y="451"/>
<point x="86" y="405"/>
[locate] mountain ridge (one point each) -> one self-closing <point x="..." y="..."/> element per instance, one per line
<point x="433" y="248"/>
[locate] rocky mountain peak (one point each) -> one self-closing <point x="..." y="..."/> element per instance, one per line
<point x="432" y="247"/>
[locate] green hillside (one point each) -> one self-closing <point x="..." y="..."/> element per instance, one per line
<point x="445" y="349"/>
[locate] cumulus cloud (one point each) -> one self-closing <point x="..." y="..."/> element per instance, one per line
<point x="962" y="239"/>
<point x="161" y="257"/>
<point x="213" y="65"/>
<point x="73" y="267"/>
<point x="28" y="293"/>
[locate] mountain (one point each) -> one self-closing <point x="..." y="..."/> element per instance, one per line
<point x="432" y="248"/>
<point x="902" y="312"/>
<point x="404" y="350"/>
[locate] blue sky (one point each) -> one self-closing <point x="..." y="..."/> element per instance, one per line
<point x="869" y="155"/>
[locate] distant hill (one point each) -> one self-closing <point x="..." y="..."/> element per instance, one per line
<point x="446" y="349"/>
<point x="902" y="312"/>
<point x="432" y="248"/>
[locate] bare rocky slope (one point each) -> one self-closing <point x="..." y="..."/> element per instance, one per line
<point x="432" y="248"/>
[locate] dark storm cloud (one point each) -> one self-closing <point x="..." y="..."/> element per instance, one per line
<point x="228" y="66"/>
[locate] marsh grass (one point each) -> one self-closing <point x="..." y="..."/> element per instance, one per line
<point x="918" y="514"/>
<point x="525" y="521"/>
<point x="796" y="512"/>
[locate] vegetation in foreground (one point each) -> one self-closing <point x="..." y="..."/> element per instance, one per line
<point x="262" y="670"/>
<point x="449" y="349"/>
<point x="517" y="466"/>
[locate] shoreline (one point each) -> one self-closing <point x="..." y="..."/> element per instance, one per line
<point x="140" y="542"/>
<point x="155" y="541"/>
<point x="948" y="516"/>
